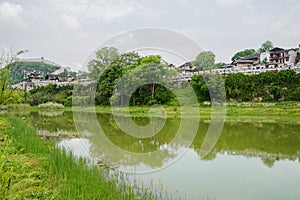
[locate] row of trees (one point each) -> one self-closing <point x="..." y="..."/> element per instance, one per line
<point x="128" y="78"/>
<point x="266" y="87"/>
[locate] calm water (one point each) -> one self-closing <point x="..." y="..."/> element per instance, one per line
<point x="251" y="160"/>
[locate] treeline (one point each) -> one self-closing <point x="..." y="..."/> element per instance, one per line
<point x="263" y="87"/>
<point x="130" y="79"/>
<point x="266" y="86"/>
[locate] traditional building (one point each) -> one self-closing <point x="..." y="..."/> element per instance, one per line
<point x="186" y="68"/>
<point x="280" y="56"/>
<point x="34" y="77"/>
<point x="246" y="61"/>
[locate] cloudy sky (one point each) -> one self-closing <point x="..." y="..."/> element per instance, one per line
<point x="67" y="31"/>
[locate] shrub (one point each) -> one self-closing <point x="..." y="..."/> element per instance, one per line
<point x="51" y="106"/>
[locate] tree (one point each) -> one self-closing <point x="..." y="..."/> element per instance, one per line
<point x="246" y="52"/>
<point x="147" y="79"/>
<point x="266" y="46"/>
<point x="112" y="75"/>
<point x="104" y="57"/>
<point x="204" y="61"/>
<point x="6" y="61"/>
<point x="219" y="65"/>
<point x="199" y="85"/>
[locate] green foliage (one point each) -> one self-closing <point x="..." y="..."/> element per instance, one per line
<point x="205" y="61"/>
<point x="129" y="70"/>
<point x="3" y="83"/>
<point x="54" y="173"/>
<point x="148" y="78"/>
<point x="246" y="52"/>
<point x="266" y="46"/>
<point x="152" y="59"/>
<point x="219" y="65"/>
<point x="200" y="87"/>
<point x="267" y="86"/>
<point x="104" y="57"/>
<point x="208" y="87"/>
<point x="17" y="69"/>
<point x="52" y="93"/>
<point x="10" y="96"/>
<point x="264" y="61"/>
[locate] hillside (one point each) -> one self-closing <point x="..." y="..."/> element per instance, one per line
<point x="18" y="68"/>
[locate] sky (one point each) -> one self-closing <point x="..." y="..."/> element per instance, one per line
<point x="68" y="31"/>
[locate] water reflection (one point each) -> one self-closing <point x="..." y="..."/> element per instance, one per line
<point x="269" y="141"/>
<point x="248" y="161"/>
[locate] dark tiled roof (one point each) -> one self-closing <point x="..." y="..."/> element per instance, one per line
<point x="187" y="64"/>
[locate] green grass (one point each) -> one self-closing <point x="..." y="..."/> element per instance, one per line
<point x="280" y="113"/>
<point x="32" y="168"/>
<point x="22" y="175"/>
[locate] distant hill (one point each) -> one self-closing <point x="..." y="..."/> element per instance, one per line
<point x="18" y="68"/>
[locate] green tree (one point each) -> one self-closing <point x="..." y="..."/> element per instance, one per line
<point x="246" y="52"/>
<point x="112" y="75"/>
<point x="199" y="85"/>
<point x="148" y="79"/>
<point x="6" y="60"/>
<point x="104" y="57"/>
<point x="266" y="46"/>
<point x="205" y="61"/>
<point x="219" y="65"/>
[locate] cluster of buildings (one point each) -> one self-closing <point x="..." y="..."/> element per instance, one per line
<point x="275" y="59"/>
<point x="35" y="79"/>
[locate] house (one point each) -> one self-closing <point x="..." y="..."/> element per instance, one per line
<point x="186" y="68"/>
<point x="34" y="77"/>
<point x="280" y="56"/>
<point x="246" y="61"/>
<point x="52" y="77"/>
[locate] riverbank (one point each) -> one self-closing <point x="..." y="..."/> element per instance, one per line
<point x="242" y="112"/>
<point x="256" y="112"/>
<point x="32" y="168"/>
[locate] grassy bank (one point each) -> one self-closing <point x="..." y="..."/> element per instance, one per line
<point x="246" y="112"/>
<point x="283" y="112"/>
<point x="32" y="168"/>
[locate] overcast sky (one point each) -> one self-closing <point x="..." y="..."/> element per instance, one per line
<point x="67" y="31"/>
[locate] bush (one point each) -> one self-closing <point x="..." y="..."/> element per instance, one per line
<point x="51" y="106"/>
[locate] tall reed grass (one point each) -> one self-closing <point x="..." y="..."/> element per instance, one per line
<point x="77" y="178"/>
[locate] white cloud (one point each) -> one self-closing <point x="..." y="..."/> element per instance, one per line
<point x="105" y="11"/>
<point x="71" y="22"/>
<point x="77" y="27"/>
<point x="9" y="10"/>
<point x="10" y="16"/>
<point x="232" y="2"/>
